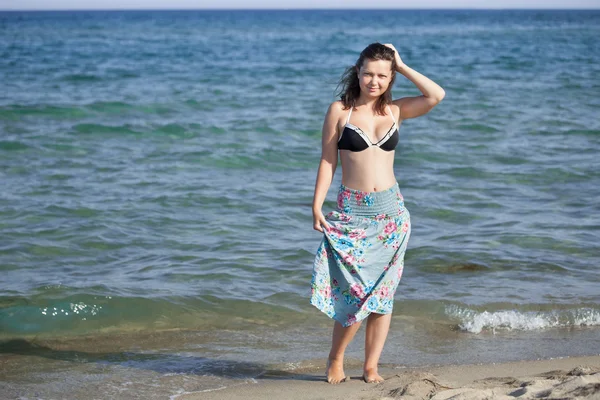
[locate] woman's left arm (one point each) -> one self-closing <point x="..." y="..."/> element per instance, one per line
<point x="412" y="107"/>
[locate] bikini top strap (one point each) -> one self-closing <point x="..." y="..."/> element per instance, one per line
<point x="391" y="113"/>
<point x="349" y="114"/>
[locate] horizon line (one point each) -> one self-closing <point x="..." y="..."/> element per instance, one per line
<point x="302" y="9"/>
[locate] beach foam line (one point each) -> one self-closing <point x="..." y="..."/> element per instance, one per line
<point x="473" y="321"/>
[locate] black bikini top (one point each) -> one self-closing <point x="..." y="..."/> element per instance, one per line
<point x="354" y="139"/>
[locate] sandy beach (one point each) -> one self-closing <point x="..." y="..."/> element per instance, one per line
<point x="564" y="378"/>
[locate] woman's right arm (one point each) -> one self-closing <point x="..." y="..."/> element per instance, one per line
<point x="327" y="166"/>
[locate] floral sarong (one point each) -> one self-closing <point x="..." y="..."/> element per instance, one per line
<point x="359" y="262"/>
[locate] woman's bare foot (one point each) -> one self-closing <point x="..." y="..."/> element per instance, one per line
<point x="335" y="371"/>
<point x="370" y="375"/>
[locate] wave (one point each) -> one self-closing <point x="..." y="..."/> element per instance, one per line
<point x="74" y="311"/>
<point x="14" y="112"/>
<point x="110" y="107"/>
<point x="82" y="78"/>
<point x="473" y="321"/>
<point x="104" y="129"/>
<point x="12" y="145"/>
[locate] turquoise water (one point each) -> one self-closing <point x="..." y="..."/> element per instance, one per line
<point x="157" y="171"/>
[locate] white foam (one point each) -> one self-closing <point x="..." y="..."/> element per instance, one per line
<point x="183" y="393"/>
<point x="475" y="322"/>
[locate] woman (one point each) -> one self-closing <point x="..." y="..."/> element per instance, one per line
<point x="359" y="263"/>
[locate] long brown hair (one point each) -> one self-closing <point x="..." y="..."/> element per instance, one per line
<point x="350" y="91"/>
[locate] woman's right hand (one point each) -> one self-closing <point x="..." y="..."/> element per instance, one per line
<point x="399" y="62"/>
<point x="319" y="221"/>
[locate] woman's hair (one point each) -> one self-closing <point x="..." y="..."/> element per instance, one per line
<point x="351" y="89"/>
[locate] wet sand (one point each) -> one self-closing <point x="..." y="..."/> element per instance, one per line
<point x="563" y="378"/>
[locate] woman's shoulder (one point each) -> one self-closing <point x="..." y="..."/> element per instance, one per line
<point x="336" y="109"/>
<point x="395" y="107"/>
<point x="337" y="106"/>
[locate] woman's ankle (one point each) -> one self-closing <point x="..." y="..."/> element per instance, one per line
<point x="370" y="368"/>
<point x="335" y="359"/>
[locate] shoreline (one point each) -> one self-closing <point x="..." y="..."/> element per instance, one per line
<point x="565" y="378"/>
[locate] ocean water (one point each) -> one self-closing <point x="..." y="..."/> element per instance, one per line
<point x="157" y="171"/>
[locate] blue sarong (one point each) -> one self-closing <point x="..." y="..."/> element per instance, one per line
<point x="360" y="260"/>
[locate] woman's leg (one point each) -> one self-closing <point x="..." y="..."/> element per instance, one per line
<point x="340" y="339"/>
<point x="378" y="326"/>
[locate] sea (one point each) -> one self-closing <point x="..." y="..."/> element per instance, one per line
<point x="157" y="170"/>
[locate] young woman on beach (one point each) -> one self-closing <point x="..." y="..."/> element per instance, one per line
<point x="359" y="263"/>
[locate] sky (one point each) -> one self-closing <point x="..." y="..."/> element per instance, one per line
<point x="293" y="4"/>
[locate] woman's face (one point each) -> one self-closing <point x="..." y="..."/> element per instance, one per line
<point x="374" y="77"/>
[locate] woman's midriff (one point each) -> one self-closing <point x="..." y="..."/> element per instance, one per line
<point x="371" y="170"/>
